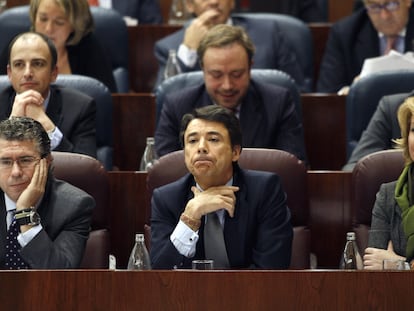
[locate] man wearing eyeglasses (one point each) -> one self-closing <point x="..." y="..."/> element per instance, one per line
<point x="44" y="222"/>
<point x="371" y="31"/>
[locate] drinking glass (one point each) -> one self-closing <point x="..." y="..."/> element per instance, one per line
<point x="206" y="264"/>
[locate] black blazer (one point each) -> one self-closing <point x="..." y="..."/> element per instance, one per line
<point x="73" y="112"/>
<point x="272" y="49"/>
<point x="351" y="41"/>
<point x="145" y="11"/>
<point x="268" y="118"/>
<point x="258" y="236"/>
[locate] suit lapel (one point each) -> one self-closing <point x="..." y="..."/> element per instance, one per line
<point x="54" y="108"/>
<point x="250" y="116"/>
<point x="235" y="228"/>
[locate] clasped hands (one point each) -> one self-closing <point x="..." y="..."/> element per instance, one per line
<point x="210" y="200"/>
<point x="30" y="104"/>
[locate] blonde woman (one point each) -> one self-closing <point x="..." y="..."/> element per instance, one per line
<point x="392" y="226"/>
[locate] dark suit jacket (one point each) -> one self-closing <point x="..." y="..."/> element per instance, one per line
<point x="87" y="58"/>
<point x="258" y="236"/>
<point x="267" y="115"/>
<point x="65" y="213"/>
<point x="145" y="11"/>
<point x="386" y="221"/>
<point x="382" y="129"/>
<point x="73" y="112"/>
<point x="350" y="42"/>
<point x="307" y="10"/>
<point x="272" y="49"/>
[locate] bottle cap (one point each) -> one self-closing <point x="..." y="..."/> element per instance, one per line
<point x="350" y="236"/>
<point x="150" y="140"/>
<point x="139" y="237"/>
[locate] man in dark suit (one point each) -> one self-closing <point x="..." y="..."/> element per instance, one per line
<point x="52" y="217"/>
<point x="382" y="129"/>
<point x="144" y="11"/>
<point x="273" y="51"/>
<point x="67" y="115"/>
<point x="363" y="35"/>
<point x="253" y="217"/>
<point x="267" y="112"/>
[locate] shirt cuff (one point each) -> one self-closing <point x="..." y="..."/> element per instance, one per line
<point x="184" y="239"/>
<point x="25" y="237"/>
<point x="55" y="137"/>
<point x="187" y="56"/>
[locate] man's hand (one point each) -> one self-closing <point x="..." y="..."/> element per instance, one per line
<point x="22" y="100"/>
<point x="30" y="104"/>
<point x="374" y="257"/>
<point x="32" y="194"/>
<point x="198" y="28"/>
<point x="210" y="200"/>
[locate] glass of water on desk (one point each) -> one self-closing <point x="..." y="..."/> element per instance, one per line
<point x="205" y="264"/>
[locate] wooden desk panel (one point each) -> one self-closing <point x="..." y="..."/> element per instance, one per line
<point x="320" y="33"/>
<point x="324" y="123"/>
<point x="129" y="208"/>
<point x="133" y="121"/>
<point x="143" y="65"/>
<point x="329" y="214"/>
<point x="205" y="290"/>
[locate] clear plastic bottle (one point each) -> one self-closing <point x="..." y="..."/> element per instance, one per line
<point x="351" y="258"/>
<point x="178" y="13"/>
<point x="139" y="258"/>
<point x="150" y="155"/>
<point x="172" y="67"/>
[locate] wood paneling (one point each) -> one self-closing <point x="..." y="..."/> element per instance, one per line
<point x="143" y="65"/>
<point x="205" y="290"/>
<point x="133" y="121"/>
<point x="324" y="123"/>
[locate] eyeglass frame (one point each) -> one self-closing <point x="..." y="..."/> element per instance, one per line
<point x="376" y="8"/>
<point x="22" y="165"/>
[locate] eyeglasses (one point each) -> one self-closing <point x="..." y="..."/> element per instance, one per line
<point x="376" y="8"/>
<point x="23" y="162"/>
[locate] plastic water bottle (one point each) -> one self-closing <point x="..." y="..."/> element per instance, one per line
<point x="150" y="155"/>
<point x="172" y="67"/>
<point x="139" y="258"/>
<point x="351" y="258"/>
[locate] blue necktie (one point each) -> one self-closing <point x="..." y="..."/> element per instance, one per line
<point x="13" y="259"/>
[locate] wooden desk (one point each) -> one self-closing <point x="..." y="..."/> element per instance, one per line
<point x="205" y="290"/>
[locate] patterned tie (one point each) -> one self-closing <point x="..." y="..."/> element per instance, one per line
<point x="13" y="259"/>
<point x="214" y="245"/>
<point x="390" y="43"/>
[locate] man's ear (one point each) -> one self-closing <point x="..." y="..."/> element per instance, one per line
<point x="236" y="153"/>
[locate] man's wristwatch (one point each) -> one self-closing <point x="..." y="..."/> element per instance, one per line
<point x="27" y="216"/>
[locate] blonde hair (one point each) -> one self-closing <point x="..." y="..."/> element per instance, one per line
<point x="78" y="14"/>
<point x="405" y="112"/>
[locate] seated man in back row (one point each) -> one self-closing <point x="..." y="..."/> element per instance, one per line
<point x="68" y="116"/>
<point x="238" y="218"/>
<point x="382" y="129"/>
<point x="267" y="112"/>
<point x="273" y="50"/>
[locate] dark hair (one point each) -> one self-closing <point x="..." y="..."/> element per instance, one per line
<point x="26" y="129"/>
<point x="215" y="113"/>
<point x="224" y="35"/>
<point x="49" y="43"/>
